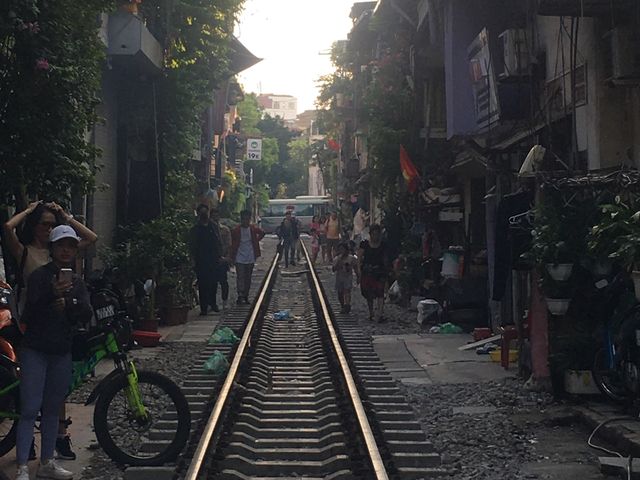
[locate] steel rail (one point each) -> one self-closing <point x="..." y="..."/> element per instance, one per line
<point x="363" y="422"/>
<point x="214" y="419"/>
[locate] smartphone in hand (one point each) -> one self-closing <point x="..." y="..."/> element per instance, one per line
<point x="65" y="275"/>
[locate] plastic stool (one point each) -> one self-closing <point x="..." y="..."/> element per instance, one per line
<point x="507" y="334"/>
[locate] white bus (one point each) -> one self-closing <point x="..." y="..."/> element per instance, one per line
<point x="303" y="207"/>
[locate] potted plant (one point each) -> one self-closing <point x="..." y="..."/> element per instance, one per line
<point x="616" y="237"/>
<point x="176" y="297"/>
<point x="553" y="245"/>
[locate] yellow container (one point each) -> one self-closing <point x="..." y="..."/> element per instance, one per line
<point x="496" y="355"/>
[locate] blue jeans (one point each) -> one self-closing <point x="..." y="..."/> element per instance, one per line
<point x="44" y="383"/>
<point x="289" y="245"/>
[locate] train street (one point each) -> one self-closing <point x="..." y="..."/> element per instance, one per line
<point x="433" y="411"/>
<point x="298" y="239"/>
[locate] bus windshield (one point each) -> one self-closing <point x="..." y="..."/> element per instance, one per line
<point x="299" y="210"/>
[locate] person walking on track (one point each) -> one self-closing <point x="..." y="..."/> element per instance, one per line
<point x="245" y="250"/>
<point x="288" y="233"/>
<point x="374" y="268"/>
<point x="224" y="234"/>
<point x="344" y="265"/>
<point x="205" y="249"/>
<point x="333" y="235"/>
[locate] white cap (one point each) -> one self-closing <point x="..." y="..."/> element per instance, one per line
<point x="63" y="231"/>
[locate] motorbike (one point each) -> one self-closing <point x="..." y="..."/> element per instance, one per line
<point x="616" y="367"/>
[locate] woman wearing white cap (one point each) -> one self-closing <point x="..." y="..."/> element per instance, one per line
<point x="55" y="303"/>
<point x="30" y="248"/>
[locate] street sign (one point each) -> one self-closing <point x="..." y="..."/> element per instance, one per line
<point x="254" y="149"/>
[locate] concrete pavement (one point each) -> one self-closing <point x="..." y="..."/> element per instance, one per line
<point x="435" y="358"/>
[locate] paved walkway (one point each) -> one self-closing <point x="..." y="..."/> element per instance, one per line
<point x="435" y="358"/>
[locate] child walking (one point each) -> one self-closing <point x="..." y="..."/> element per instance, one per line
<point x="345" y="264"/>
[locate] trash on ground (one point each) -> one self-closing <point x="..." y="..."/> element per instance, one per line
<point x="395" y="293"/>
<point x="217" y="363"/>
<point x="470" y="346"/>
<point x="282" y="315"/>
<point x="223" y="335"/>
<point x="486" y="348"/>
<point x="429" y="311"/>
<point x="446" y="328"/>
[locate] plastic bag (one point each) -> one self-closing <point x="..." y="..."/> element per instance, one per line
<point x="450" y="328"/>
<point x="216" y="363"/>
<point x="395" y="293"/>
<point x="223" y="335"/>
<point x="281" y="315"/>
<point x="429" y="311"/>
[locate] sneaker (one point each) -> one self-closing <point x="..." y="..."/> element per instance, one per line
<point x="32" y="451"/>
<point x="214" y="308"/>
<point x="23" y="472"/>
<point x="50" y="469"/>
<point x="63" y="448"/>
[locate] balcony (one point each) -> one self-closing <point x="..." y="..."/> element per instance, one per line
<point x="577" y="8"/>
<point x="132" y="46"/>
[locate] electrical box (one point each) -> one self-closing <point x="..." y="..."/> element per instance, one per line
<point x="624" y="55"/>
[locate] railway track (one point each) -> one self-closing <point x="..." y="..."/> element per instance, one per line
<point x="304" y="397"/>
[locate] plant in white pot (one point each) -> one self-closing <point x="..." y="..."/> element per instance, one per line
<point x="553" y="244"/>
<point x="617" y="237"/>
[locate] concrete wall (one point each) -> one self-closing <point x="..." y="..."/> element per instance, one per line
<point x="609" y="124"/>
<point x="463" y="21"/>
<point x="104" y="199"/>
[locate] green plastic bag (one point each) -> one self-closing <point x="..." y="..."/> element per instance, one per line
<point x="223" y="335"/>
<point x="216" y="363"/>
<point x="450" y="328"/>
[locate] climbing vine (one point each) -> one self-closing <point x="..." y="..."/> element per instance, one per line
<point x="50" y="69"/>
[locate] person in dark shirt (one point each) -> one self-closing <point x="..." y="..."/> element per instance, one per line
<point x="205" y="250"/>
<point x="56" y="303"/>
<point x="288" y="233"/>
<point x="374" y="267"/>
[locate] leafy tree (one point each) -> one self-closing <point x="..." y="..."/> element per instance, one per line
<point x="251" y="113"/>
<point x="300" y="155"/>
<point x="50" y="71"/>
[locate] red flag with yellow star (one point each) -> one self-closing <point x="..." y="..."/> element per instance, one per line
<point x="409" y="171"/>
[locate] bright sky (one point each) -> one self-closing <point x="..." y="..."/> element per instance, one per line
<point x="290" y="36"/>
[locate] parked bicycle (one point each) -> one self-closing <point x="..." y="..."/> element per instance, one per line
<point x="129" y="404"/>
<point x="616" y="369"/>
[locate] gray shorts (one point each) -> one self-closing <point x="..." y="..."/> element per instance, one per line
<point x="344" y="282"/>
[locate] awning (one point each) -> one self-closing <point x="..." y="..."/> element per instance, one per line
<point x="470" y="164"/>
<point x="240" y="58"/>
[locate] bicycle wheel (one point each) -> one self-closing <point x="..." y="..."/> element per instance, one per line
<point x="608" y="381"/>
<point x="9" y="403"/>
<point x="126" y="438"/>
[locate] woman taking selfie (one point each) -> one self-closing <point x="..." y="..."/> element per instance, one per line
<point x="57" y="301"/>
<point x="30" y="249"/>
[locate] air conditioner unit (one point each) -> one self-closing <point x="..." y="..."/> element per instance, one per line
<point x="515" y="53"/>
<point x="624" y="55"/>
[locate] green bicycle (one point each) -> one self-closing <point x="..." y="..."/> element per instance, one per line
<point x="140" y="418"/>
